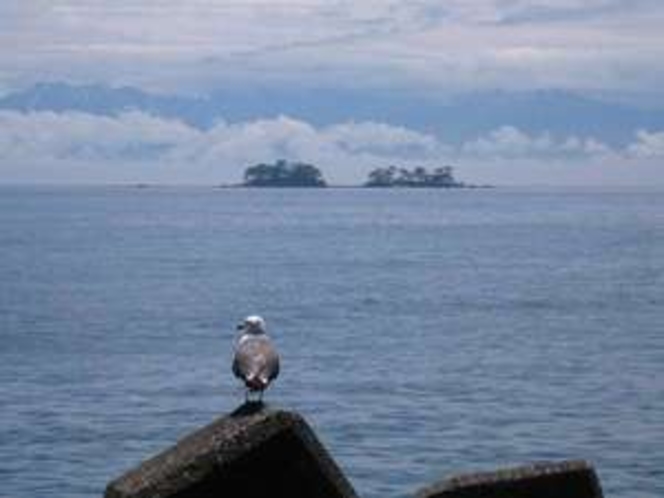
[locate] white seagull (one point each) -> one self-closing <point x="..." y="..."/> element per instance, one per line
<point x="256" y="360"/>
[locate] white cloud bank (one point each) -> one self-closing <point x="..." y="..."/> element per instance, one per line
<point x="170" y="150"/>
<point x="134" y="146"/>
<point x="509" y="142"/>
<point x="648" y="144"/>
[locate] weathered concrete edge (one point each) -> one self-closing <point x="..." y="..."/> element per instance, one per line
<point x="512" y="474"/>
<point x="215" y="445"/>
<point x="196" y="454"/>
<point x="327" y="465"/>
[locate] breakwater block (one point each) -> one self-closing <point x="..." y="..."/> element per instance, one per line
<point x="568" y="479"/>
<point x="255" y="452"/>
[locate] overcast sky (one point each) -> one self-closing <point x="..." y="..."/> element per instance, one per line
<point x="611" y="49"/>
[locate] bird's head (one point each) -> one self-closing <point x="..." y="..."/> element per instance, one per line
<point x="252" y="325"/>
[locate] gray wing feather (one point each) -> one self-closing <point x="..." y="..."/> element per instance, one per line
<point x="275" y="367"/>
<point x="236" y="367"/>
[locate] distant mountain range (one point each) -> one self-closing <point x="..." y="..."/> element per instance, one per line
<point x="464" y="117"/>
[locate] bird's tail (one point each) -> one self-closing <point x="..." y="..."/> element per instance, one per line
<point x="256" y="383"/>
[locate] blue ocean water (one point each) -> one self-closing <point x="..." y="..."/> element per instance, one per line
<point x="423" y="332"/>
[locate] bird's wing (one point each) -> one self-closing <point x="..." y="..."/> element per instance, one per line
<point x="236" y="367"/>
<point x="274" y="369"/>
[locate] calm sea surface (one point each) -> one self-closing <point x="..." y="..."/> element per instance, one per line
<point x="423" y="333"/>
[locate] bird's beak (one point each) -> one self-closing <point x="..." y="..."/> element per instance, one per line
<point x="240" y="326"/>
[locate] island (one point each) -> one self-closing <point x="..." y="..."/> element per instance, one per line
<point x="284" y="174"/>
<point x="442" y="177"/>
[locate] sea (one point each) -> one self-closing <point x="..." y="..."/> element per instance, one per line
<point x="423" y="333"/>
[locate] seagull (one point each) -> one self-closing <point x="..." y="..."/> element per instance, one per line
<point x="256" y="360"/>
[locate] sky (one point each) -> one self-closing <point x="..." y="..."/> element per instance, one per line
<point x="610" y="51"/>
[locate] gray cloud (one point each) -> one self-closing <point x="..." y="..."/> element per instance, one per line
<point x="591" y="45"/>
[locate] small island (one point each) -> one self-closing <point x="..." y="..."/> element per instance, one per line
<point x="442" y="177"/>
<point x="283" y="174"/>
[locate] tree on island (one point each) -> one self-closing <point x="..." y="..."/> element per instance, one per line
<point x="284" y="174"/>
<point x="418" y="177"/>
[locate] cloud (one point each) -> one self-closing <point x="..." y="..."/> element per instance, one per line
<point x="426" y="44"/>
<point x="220" y="152"/>
<point x="136" y="145"/>
<point x="509" y="142"/>
<point x="74" y="136"/>
<point x="384" y="140"/>
<point x="647" y="145"/>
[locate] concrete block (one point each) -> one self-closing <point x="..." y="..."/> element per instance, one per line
<point x="254" y="452"/>
<point x="567" y="479"/>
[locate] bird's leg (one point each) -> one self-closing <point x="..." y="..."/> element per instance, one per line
<point x="251" y="396"/>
